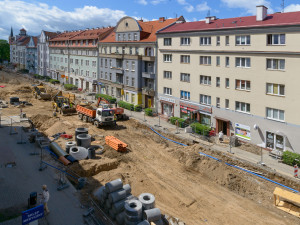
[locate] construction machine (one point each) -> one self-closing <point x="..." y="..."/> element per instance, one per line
<point x="118" y="112"/>
<point x="64" y="103"/>
<point x="39" y="92"/>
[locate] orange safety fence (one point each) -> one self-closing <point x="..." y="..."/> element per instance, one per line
<point x="115" y="143"/>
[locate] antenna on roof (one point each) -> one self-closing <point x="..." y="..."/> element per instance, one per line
<point x="208" y="13"/>
<point x="282" y="6"/>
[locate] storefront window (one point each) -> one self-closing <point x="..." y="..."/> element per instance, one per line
<point x="168" y="110"/>
<point x="275" y="141"/>
<point x="205" y="119"/>
<point x="270" y="140"/>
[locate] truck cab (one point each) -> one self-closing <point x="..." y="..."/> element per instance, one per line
<point x="104" y="117"/>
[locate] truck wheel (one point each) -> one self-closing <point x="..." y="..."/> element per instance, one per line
<point x="85" y="119"/>
<point x="80" y="116"/>
<point x="96" y="123"/>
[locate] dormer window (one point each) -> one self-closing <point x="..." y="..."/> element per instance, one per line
<point x="119" y="37"/>
<point x="135" y="36"/>
<point x="126" y="24"/>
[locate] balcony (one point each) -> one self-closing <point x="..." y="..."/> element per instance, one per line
<point x="148" y="58"/>
<point x="148" y="91"/>
<point x="149" y="75"/>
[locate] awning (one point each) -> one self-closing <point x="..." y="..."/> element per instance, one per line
<point x="220" y="118"/>
<point x="204" y="113"/>
<point x="187" y="108"/>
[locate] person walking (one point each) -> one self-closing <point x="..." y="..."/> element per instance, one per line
<point x="221" y="135"/>
<point x="45" y="198"/>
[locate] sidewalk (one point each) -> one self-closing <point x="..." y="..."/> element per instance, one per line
<point x="16" y="183"/>
<point x="238" y="153"/>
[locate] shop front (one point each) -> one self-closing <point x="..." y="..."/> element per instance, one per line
<point x="196" y="112"/>
<point x="275" y="141"/>
<point x="223" y="125"/>
<point x="205" y="114"/>
<point x="167" y="106"/>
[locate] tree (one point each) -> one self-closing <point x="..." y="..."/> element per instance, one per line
<point x="4" y="50"/>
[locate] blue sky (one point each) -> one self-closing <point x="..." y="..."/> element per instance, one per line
<point x="59" y="15"/>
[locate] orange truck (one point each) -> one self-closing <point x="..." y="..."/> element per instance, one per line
<point x="119" y="112"/>
<point x="99" y="117"/>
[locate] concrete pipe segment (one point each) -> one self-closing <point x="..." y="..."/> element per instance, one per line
<point x="64" y="160"/>
<point x="120" y="218"/>
<point x="127" y="188"/>
<point x="99" y="149"/>
<point x="113" y="186"/>
<point x="145" y="222"/>
<point x="84" y="140"/>
<point x="148" y="200"/>
<point x="108" y="204"/>
<point x="120" y="205"/>
<point x="133" y="208"/>
<point x="117" y="196"/>
<point x="98" y="193"/>
<point x="57" y="149"/>
<point x="152" y="214"/>
<point x="80" y="130"/>
<point x="78" y="153"/>
<point x="70" y="144"/>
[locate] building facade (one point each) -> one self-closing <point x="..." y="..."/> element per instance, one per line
<point x="127" y="60"/>
<point x="32" y="56"/>
<point x="237" y="75"/>
<point x="43" y="52"/>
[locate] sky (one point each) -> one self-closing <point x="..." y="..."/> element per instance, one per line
<point x="60" y="15"/>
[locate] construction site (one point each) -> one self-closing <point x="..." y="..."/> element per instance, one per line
<point x="191" y="182"/>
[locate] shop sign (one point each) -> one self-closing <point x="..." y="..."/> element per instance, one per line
<point x="167" y="99"/>
<point x="203" y="108"/>
<point x="242" y="131"/>
<point x="32" y="214"/>
<point x="132" y="92"/>
<point x="62" y="76"/>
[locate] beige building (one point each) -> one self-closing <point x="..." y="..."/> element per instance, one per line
<point x="238" y="75"/>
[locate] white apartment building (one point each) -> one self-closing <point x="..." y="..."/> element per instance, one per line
<point x="43" y="52"/>
<point x="238" y="75"/>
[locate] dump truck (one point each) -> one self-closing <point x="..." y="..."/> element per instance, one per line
<point x="119" y="112"/>
<point x="64" y="103"/>
<point x="39" y="92"/>
<point x="98" y="116"/>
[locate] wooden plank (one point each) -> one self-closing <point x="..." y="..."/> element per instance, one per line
<point x="287" y="195"/>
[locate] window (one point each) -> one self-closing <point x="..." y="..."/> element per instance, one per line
<point x="185" y="77"/>
<point x="227" y="40"/>
<point x="105" y="63"/>
<point x="205" y="60"/>
<point x="81" y="62"/>
<point x="101" y="74"/>
<point x="185" y="95"/>
<point x="127" y="97"/>
<point x="105" y="76"/>
<point x="87" y="62"/>
<point x="123" y="50"/>
<point x="167" y="58"/>
<point x="132" y="81"/>
<point x="275" y="39"/>
<point x="218" y="81"/>
<point x="275" y="64"/>
<point x="135" y="36"/>
<point x="227" y="61"/>
<point x="275" y="114"/>
<point x="275" y="89"/>
<point x="81" y="72"/>
<point x="133" y="98"/>
<point x="110" y="63"/>
<point x="130" y="50"/>
<point x="226" y="103"/>
<point x="243" y="85"/>
<point x="227" y="82"/>
<point x="124" y="37"/>
<point x="167" y="91"/>
<point x="218" y="41"/>
<point x="205" y="99"/>
<point x="242" y="107"/>
<point x="218" y="61"/>
<point x="185" y="41"/>
<point x="205" y="40"/>
<point x="87" y="73"/>
<point x="112" y="91"/>
<point x="184" y="59"/>
<point x="167" y="74"/>
<point x="127" y="65"/>
<point x="117" y="50"/>
<point x="217" y="102"/>
<point x="127" y="80"/>
<point x="86" y="42"/>
<point x="110" y="75"/>
<point x="119" y="37"/>
<point x="129" y="37"/>
<point x="132" y="66"/>
<point x="136" y="50"/>
<point x="242" y="62"/>
<point x="101" y="63"/>
<point x="205" y="80"/>
<point x="167" y="41"/>
<point x="242" y="40"/>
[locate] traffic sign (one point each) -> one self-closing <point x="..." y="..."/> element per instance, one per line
<point x="32" y="214"/>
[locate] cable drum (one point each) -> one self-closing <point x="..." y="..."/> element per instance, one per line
<point x="84" y="140"/>
<point x="80" y="130"/>
<point x="78" y="153"/>
<point x="70" y="144"/>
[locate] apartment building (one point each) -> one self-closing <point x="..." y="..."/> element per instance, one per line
<point x="32" y="55"/>
<point x="74" y="57"/>
<point x="43" y="52"/>
<point x="127" y="60"/>
<point x="238" y="75"/>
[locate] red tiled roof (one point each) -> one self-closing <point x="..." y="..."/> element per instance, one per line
<point x="25" y="41"/>
<point x="35" y="40"/>
<point x="149" y="30"/>
<point x="65" y="36"/>
<point x="91" y="33"/>
<point x="277" y="19"/>
<point x="50" y="34"/>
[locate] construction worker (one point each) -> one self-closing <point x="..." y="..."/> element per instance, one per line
<point x="115" y="118"/>
<point x="45" y="198"/>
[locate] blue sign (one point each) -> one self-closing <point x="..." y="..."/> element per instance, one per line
<point x="33" y="214"/>
<point x="99" y="83"/>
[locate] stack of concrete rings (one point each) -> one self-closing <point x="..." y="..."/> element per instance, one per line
<point x="133" y="212"/>
<point x="70" y="144"/>
<point x="148" y="201"/>
<point x="84" y="140"/>
<point x="78" y="153"/>
<point x="80" y="130"/>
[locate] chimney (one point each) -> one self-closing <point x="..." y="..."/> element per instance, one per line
<point x="161" y="19"/>
<point x="261" y="12"/>
<point x="207" y="19"/>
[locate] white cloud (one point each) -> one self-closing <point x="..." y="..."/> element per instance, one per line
<point x="202" y="7"/>
<point x="292" y="8"/>
<point x="189" y="8"/>
<point x="248" y="6"/>
<point x="39" y="16"/>
<point x="182" y="2"/>
<point x="142" y="2"/>
<point x="156" y="2"/>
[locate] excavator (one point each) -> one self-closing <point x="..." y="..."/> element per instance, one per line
<point x="64" y="103"/>
<point x="119" y="112"/>
<point x="39" y="92"/>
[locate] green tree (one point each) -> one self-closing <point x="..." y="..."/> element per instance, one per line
<point x="4" y="50"/>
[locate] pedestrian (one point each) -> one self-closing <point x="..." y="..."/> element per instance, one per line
<point x="221" y="135"/>
<point x="45" y="198"/>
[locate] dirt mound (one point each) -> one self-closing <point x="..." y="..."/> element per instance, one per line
<point x="42" y="121"/>
<point x="14" y="81"/>
<point x="59" y="127"/>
